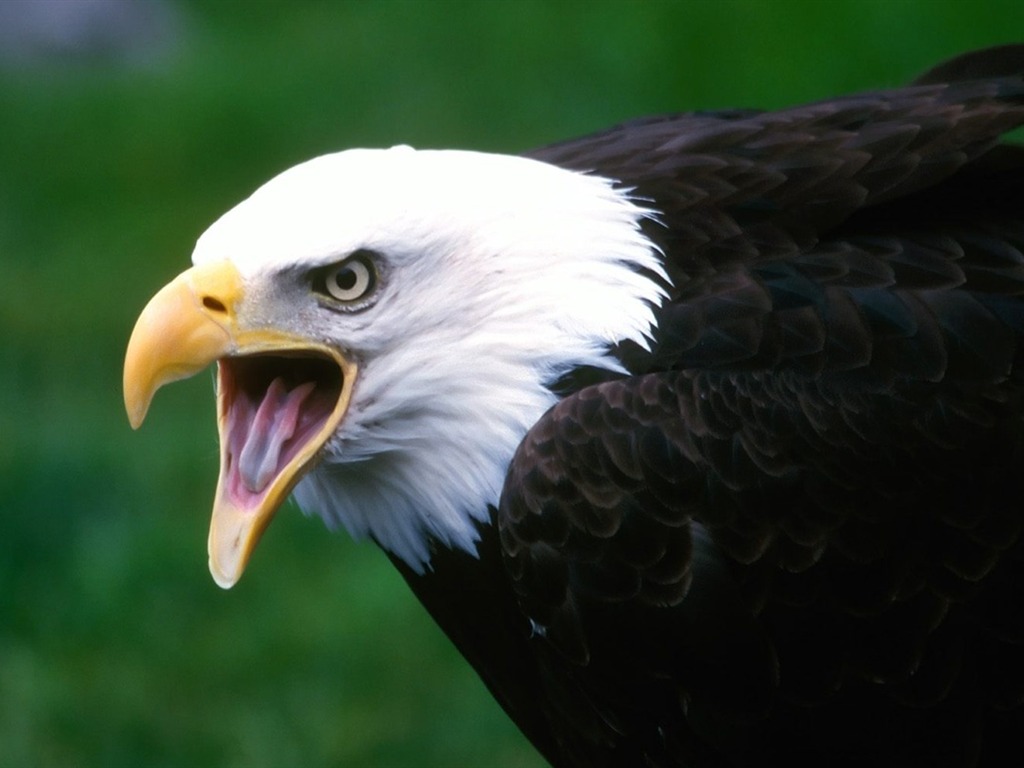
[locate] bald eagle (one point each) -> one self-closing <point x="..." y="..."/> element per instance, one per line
<point x="700" y="437"/>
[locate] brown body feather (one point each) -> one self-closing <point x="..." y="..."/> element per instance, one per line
<point x="792" y="535"/>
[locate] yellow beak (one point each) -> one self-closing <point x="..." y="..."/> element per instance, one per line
<point x="195" y="320"/>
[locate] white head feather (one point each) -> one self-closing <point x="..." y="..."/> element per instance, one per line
<point x="498" y="275"/>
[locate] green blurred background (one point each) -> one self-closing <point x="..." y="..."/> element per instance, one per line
<point x="116" y="648"/>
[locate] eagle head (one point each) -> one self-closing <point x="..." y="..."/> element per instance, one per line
<point x="386" y="325"/>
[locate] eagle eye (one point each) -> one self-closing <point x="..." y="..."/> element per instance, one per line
<point x="350" y="280"/>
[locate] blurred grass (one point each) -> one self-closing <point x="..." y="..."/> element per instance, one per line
<point x="116" y="649"/>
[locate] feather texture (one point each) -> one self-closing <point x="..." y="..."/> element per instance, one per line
<point x="792" y="534"/>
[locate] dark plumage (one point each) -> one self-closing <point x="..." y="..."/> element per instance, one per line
<point x="792" y="536"/>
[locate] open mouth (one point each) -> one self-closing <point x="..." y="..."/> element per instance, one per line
<point x="275" y="413"/>
<point x="280" y="398"/>
<point x="276" y="410"/>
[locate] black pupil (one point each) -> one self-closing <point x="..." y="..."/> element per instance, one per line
<point x="346" y="278"/>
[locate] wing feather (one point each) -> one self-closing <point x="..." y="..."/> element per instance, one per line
<point x="808" y="491"/>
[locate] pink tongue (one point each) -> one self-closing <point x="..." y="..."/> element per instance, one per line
<point x="273" y="425"/>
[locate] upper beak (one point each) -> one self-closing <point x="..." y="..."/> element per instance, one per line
<point x="187" y="325"/>
<point x="190" y="323"/>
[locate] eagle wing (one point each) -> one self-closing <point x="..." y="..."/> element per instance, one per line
<point x="803" y="506"/>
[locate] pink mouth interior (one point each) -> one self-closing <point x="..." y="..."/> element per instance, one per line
<point x="274" y="406"/>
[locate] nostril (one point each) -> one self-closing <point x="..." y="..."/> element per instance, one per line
<point x="214" y="304"/>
